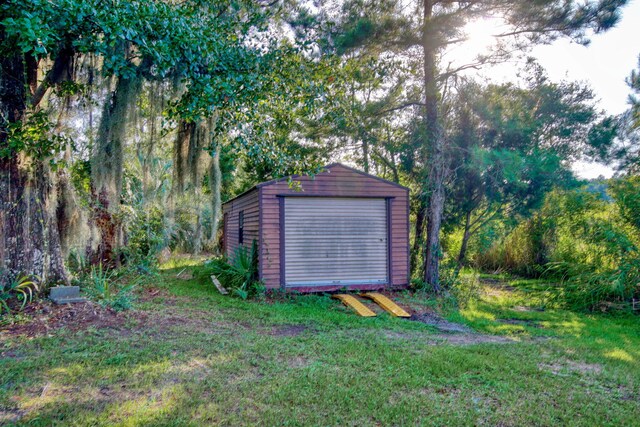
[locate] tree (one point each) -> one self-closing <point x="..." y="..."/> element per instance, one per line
<point x="624" y="150"/>
<point x="440" y="24"/>
<point x="207" y="48"/>
<point x="539" y="22"/>
<point x="512" y="145"/>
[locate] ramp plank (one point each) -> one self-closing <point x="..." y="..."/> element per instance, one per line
<point x="384" y="302"/>
<point x="351" y="301"/>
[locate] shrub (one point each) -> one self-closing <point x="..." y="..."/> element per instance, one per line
<point x="101" y="286"/>
<point x="21" y="289"/>
<point x="458" y="289"/>
<point x="240" y="274"/>
<point x="147" y="236"/>
<point x="587" y="241"/>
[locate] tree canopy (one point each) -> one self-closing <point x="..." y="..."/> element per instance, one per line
<point x="119" y="113"/>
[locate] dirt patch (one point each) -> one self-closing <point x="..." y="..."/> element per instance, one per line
<point x="471" y="339"/>
<point x="449" y="338"/>
<point x="46" y="317"/>
<point x="150" y="294"/>
<point x="288" y="330"/>
<point x="10" y="416"/>
<point x="522" y="322"/>
<point x="437" y="321"/>
<point x="560" y="367"/>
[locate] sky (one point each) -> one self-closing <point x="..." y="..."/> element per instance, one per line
<point x="604" y="65"/>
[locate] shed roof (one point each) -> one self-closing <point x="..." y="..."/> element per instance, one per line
<point x="323" y="169"/>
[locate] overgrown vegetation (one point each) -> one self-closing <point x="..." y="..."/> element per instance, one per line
<point x="459" y="288"/>
<point x="123" y="128"/>
<point x="100" y="285"/>
<point x="585" y="239"/>
<point x="239" y="274"/>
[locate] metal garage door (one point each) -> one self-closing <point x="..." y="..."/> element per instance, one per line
<point x="335" y="241"/>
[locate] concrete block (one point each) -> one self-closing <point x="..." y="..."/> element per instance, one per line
<point x="65" y="294"/>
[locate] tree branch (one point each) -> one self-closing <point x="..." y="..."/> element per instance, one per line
<point x="400" y="107"/>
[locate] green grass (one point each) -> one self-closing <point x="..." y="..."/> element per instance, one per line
<point x="188" y="356"/>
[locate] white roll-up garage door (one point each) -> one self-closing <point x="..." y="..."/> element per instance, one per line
<point x="335" y="241"/>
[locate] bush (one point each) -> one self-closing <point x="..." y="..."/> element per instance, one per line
<point x="101" y="287"/>
<point x="458" y="288"/>
<point x="20" y="289"/>
<point x="587" y="241"/>
<point x="240" y="274"/>
<point x="147" y="237"/>
<point x="584" y="289"/>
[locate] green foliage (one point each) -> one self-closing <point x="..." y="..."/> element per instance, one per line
<point x="240" y="274"/>
<point x="21" y="288"/>
<point x="77" y="264"/>
<point x="511" y="144"/>
<point x="34" y="137"/>
<point x="147" y="236"/>
<point x="626" y="193"/>
<point x="587" y="241"/>
<point x="100" y="285"/>
<point x="459" y="288"/>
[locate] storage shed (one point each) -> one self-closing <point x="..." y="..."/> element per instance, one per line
<point x="342" y="228"/>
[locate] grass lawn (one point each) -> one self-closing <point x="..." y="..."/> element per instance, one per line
<point x="189" y="356"/>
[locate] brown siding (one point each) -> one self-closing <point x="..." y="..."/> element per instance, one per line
<point x="248" y="203"/>
<point x="337" y="181"/>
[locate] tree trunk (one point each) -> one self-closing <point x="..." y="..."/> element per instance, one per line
<point x="418" y="241"/>
<point x="29" y="240"/>
<point x="394" y="170"/>
<point x="216" y="200"/>
<point x="106" y="173"/>
<point x="435" y="153"/>
<point x="365" y="154"/>
<point x="462" y="255"/>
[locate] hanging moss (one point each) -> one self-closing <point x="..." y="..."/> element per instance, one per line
<point x="191" y="154"/>
<point x="107" y="159"/>
<point x="181" y="155"/>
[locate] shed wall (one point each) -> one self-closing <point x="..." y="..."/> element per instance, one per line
<point x="337" y="181"/>
<point x="249" y="204"/>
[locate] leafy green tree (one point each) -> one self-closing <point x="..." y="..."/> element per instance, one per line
<point x="512" y="146"/>
<point x="357" y="119"/>
<point x="434" y="25"/>
<point x="624" y="151"/>
<point x="219" y="56"/>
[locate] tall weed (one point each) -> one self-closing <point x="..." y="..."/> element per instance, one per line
<point x="586" y="241"/>
<point x="101" y="286"/>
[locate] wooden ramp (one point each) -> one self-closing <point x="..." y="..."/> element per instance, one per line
<point x="384" y="302"/>
<point x="351" y="301"/>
